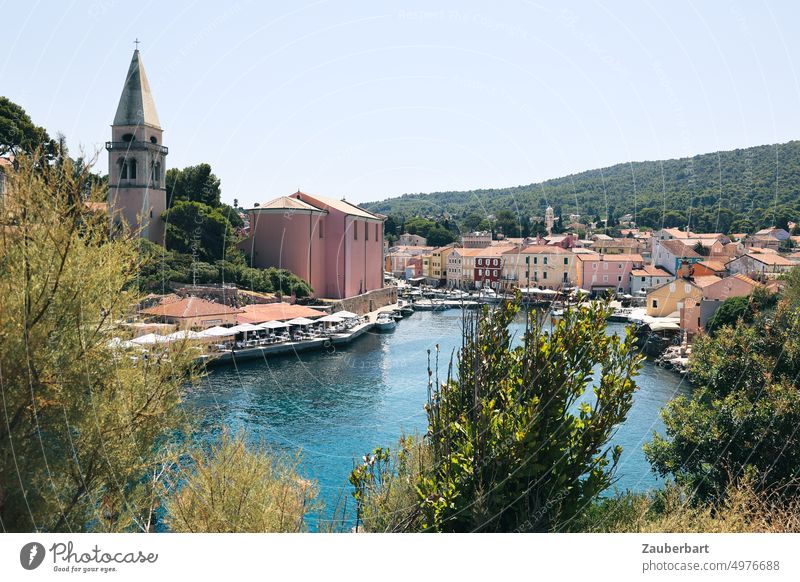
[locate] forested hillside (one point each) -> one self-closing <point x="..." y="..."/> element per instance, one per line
<point x="730" y="191"/>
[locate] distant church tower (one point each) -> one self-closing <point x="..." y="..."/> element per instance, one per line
<point x="136" y="158"/>
<point x="549" y="219"/>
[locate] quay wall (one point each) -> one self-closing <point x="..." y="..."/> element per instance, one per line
<point x="366" y="302"/>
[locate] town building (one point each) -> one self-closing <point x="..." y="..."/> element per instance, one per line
<point x="694" y="314"/>
<point x="549" y="219"/>
<point x="600" y="273"/>
<point x="667" y="299"/>
<point x="192" y="313"/>
<point x="434" y="266"/>
<point x="489" y="266"/>
<point x="647" y="277"/>
<point x="476" y="240"/>
<point x="334" y="245"/>
<point x="137" y="166"/>
<point x="411" y="240"/>
<point x="461" y="268"/>
<point x="670" y="254"/>
<point x="752" y="264"/>
<point x="709" y="267"/>
<point x="538" y="265"/>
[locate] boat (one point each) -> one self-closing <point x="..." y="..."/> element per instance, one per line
<point x="430" y="305"/>
<point x="396" y="314"/>
<point x="406" y="310"/>
<point x="385" y="322"/>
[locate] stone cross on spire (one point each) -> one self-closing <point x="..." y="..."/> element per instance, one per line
<point x="136" y="42"/>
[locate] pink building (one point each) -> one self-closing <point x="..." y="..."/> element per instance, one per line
<point x="599" y="273"/>
<point x="334" y="245"/>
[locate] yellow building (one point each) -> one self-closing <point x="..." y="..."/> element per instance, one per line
<point x="666" y="300"/>
<point x="544" y="266"/>
<point x="435" y="266"/>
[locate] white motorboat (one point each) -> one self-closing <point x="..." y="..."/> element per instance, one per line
<point x="385" y="322"/>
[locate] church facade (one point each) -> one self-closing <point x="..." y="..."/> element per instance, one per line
<point x="334" y="245"/>
<point x="137" y="159"/>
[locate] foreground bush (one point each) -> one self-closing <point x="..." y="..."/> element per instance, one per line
<point x="518" y="441"/>
<point x="236" y="489"/>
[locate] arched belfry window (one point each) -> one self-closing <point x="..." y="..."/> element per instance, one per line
<point x="123" y="174"/>
<point x="132" y="169"/>
<point x="128" y="137"/>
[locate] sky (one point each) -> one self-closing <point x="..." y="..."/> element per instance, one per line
<point x="368" y="100"/>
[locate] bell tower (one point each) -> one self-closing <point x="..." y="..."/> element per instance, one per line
<point x="136" y="158"/>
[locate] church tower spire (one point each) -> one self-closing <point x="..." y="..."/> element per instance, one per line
<point x="136" y="158"/>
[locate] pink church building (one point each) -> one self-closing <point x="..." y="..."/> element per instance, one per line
<point x="334" y="245"/>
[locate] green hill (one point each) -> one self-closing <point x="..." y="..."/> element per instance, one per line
<point x="729" y="191"/>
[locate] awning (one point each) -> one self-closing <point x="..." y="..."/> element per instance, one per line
<point x="300" y="321"/>
<point x="663" y="326"/>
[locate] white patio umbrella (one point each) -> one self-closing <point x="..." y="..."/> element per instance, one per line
<point x="149" y="339"/>
<point x="331" y="319"/>
<point x="300" y="321"/>
<point x="244" y="327"/>
<point x="183" y="334"/>
<point x="345" y="314"/>
<point x="217" y="331"/>
<point x="274" y="325"/>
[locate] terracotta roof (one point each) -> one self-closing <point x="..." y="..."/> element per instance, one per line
<point x="259" y="313"/>
<point x="713" y="265"/>
<point x="679" y="249"/>
<point x="189" y="307"/>
<point x="650" y="271"/>
<point x="287" y="203"/>
<point x="770" y="259"/>
<point x="678" y="233"/>
<point x="496" y="250"/>
<point x="538" y="249"/>
<point x="343" y="206"/>
<point x="707" y="280"/>
<point x="746" y="279"/>
<point x="468" y="252"/>
<point x="636" y="258"/>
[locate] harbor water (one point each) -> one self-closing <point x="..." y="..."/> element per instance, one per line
<point x="334" y="406"/>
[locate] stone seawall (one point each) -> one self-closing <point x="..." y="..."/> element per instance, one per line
<point x="366" y="302"/>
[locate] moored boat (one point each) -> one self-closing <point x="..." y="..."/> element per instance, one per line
<point x="385" y="322"/>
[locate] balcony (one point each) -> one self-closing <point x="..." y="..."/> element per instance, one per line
<point x="137" y="146"/>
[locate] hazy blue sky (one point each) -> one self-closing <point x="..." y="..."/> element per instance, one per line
<point x="374" y="99"/>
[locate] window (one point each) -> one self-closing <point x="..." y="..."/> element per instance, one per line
<point x="124" y="173"/>
<point x="619" y="266"/>
<point x="605" y="278"/>
<point x="594" y="265"/>
<point x="132" y="169"/>
<point x="566" y="260"/>
<point x="535" y="260"/>
<point x="480" y="272"/>
<point x="687" y="288"/>
<point x="605" y="266"/>
<point x="655" y="303"/>
<point x="128" y="137"/>
<point x="619" y="278"/>
<point x="527" y="260"/>
<point x="643" y="279"/>
<point x="544" y="275"/>
<point x="153" y="139"/>
<point x="545" y="260"/>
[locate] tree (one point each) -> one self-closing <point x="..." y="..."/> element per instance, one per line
<point x="88" y="429"/>
<point x="18" y="134"/>
<point x="233" y="488"/>
<point x="198" y="229"/>
<point x="439" y="236"/>
<point x="741" y="420"/>
<point x="511" y="445"/>
<point x="195" y="184"/>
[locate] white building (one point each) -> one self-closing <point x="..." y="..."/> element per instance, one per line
<point x="646" y="278"/>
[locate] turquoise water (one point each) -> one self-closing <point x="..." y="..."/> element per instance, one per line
<point x="335" y="406"/>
